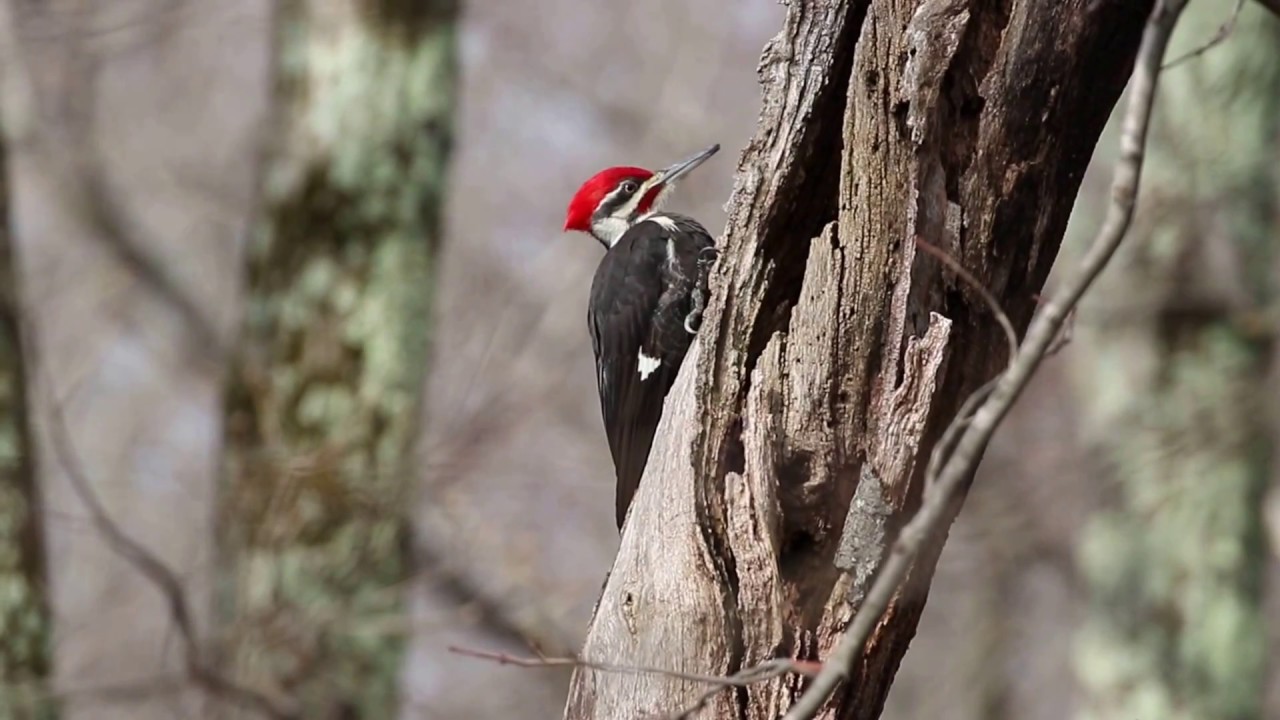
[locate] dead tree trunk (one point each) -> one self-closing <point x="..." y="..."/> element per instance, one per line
<point x="835" y="352"/>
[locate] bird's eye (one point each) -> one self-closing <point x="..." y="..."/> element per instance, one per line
<point x="629" y="186"/>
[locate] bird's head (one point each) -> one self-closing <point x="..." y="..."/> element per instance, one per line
<point x="615" y="198"/>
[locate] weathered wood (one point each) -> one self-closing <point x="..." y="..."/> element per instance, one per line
<point x="833" y="354"/>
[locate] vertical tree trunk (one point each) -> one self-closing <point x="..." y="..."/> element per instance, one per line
<point x="24" y="622"/>
<point x="1172" y="375"/>
<point x="834" y="353"/>
<point x="323" y="407"/>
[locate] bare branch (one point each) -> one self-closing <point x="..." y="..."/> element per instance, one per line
<point x="199" y="670"/>
<point x="88" y="187"/>
<point x="1010" y="335"/>
<point x="1224" y="31"/>
<point x="1040" y="338"/>
<point x="516" y="617"/>
<point x="756" y="673"/>
<point x="78" y="172"/>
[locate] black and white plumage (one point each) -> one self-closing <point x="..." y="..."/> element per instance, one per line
<point x="646" y="304"/>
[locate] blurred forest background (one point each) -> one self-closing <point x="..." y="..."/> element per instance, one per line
<point x="296" y="391"/>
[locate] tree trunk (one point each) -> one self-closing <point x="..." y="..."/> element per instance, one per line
<point x="1178" y="348"/>
<point x="323" y="406"/>
<point x="834" y="353"/>
<point x="24" y="621"/>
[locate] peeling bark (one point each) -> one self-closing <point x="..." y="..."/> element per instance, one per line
<point x="323" y="406"/>
<point x="833" y="354"/>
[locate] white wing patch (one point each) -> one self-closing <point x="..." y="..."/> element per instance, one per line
<point x="647" y="365"/>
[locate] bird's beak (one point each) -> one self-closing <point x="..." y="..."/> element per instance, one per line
<point x="670" y="174"/>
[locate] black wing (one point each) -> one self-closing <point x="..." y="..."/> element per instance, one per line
<point x="639" y="317"/>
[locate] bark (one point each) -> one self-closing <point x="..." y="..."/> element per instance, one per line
<point x="323" y="404"/>
<point x="1178" y="348"/>
<point x="24" y="621"/>
<point x="833" y="353"/>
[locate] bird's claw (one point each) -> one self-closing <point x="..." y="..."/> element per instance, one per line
<point x="708" y="255"/>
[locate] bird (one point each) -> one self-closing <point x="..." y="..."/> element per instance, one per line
<point x="646" y="302"/>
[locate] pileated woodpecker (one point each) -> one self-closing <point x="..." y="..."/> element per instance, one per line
<point x="647" y="299"/>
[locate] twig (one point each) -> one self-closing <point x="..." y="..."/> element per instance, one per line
<point x="943" y="449"/>
<point x="517" y="617"/>
<point x="748" y="676"/>
<point x="19" y="125"/>
<point x="1010" y="335"/>
<point x="88" y="186"/>
<point x="947" y="443"/>
<point x="1224" y="32"/>
<point x="1040" y="337"/>
<point x="756" y="673"/>
<point x="198" y="669"/>
<point x="79" y="174"/>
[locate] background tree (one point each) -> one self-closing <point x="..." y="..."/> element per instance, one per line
<point x="1176" y="348"/>
<point x="24" y="622"/>
<point x="323" y="405"/>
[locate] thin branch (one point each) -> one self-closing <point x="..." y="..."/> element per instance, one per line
<point x="746" y="677"/>
<point x="1040" y="337"/>
<point x="947" y="443"/>
<point x="1067" y="333"/>
<point x="756" y="673"/>
<point x="501" y="613"/>
<point x="1224" y="32"/>
<point x="1010" y="335"/>
<point x="198" y="669"/>
<point x="761" y="672"/>
<point x="87" y="186"/>
<point x="78" y="172"/>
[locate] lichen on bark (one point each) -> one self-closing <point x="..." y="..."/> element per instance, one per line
<point x="1170" y="369"/>
<point x="24" y="654"/>
<point x="24" y="616"/>
<point x="323" y="406"/>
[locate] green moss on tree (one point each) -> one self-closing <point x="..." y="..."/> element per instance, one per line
<point x="1172" y="374"/>
<point x="323" y="407"/>
<point x="24" y="617"/>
